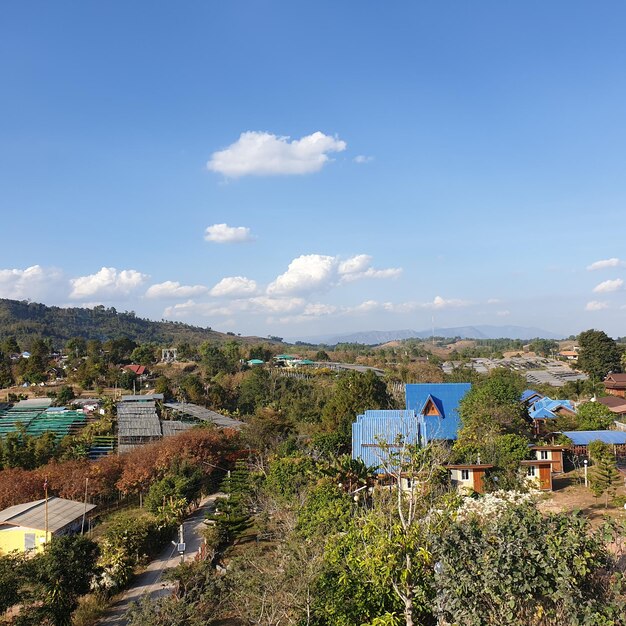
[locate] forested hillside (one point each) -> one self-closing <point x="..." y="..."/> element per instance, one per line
<point x="29" y="320"/>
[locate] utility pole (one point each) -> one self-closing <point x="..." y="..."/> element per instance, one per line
<point x="45" y="495"/>
<point x="82" y="527"/>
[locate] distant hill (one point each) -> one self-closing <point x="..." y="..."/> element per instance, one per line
<point x="374" y="337"/>
<point x="27" y="320"/>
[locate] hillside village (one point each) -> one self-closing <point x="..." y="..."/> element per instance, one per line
<point x="249" y="455"/>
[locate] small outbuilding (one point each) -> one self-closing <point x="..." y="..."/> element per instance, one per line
<point x="469" y="476"/>
<point x="539" y="473"/>
<point x="550" y="453"/>
<point x="28" y="527"/>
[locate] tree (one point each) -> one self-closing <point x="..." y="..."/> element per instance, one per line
<point x="544" y="347"/>
<point x="594" y="416"/>
<point x="354" y="393"/>
<point x="65" y="571"/>
<point x="232" y="514"/>
<point x="598" y="354"/>
<point x="492" y="407"/>
<point x="605" y="477"/>
<point x="501" y="561"/>
<point x="144" y="354"/>
<point x="11" y="579"/>
<point x="65" y="394"/>
<point x="213" y="359"/>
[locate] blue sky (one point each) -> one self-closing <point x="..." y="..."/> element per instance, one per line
<point x="301" y="168"/>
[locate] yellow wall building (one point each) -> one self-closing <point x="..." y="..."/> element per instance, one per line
<point x="23" y="526"/>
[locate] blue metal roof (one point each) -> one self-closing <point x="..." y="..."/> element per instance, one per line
<point x="585" y="437"/>
<point x="546" y="408"/>
<point x="374" y="427"/>
<point x="446" y="397"/>
<point x="529" y="393"/>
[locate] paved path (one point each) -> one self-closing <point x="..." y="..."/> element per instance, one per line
<point x="149" y="581"/>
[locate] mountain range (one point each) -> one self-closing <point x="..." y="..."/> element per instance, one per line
<point x="374" y="337"/>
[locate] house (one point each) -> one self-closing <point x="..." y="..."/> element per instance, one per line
<point x="582" y="438"/>
<point x="469" y="477"/>
<point x="615" y="385"/>
<point x="546" y="409"/>
<point x="436" y="406"/>
<point x="554" y="454"/>
<point x="431" y="414"/>
<point x="252" y="362"/>
<point x="539" y="473"/>
<point x="28" y="527"/>
<point x="569" y="355"/>
<point x="138" y="370"/>
<point x="615" y="403"/>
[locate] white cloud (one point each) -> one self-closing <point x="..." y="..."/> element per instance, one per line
<point x="223" y="233"/>
<point x="608" y="286"/>
<point x="318" y="272"/>
<point x="173" y="289"/>
<point x="258" y="153"/>
<point x="359" y="267"/>
<point x="306" y="273"/>
<point x="361" y="158"/>
<point x="595" y="305"/>
<point x="108" y="282"/>
<point x="234" y="286"/>
<point x="264" y="304"/>
<point x="601" y="265"/>
<point x="442" y="303"/>
<point x="494" y="301"/>
<point x="504" y="313"/>
<point x="31" y="283"/>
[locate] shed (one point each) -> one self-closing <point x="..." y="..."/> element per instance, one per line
<point x="23" y="526"/>
<point x="469" y="476"/>
<point x="539" y="473"/>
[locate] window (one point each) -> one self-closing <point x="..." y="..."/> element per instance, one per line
<point x="29" y="541"/>
<point x="543" y="455"/>
<point x="464" y="474"/>
<point x="531" y="470"/>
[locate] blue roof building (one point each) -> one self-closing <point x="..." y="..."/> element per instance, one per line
<point x="431" y="414"/>
<point x="585" y="437"/>
<point x="547" y="408"/>
<point x="437" y="408"/>
<point x="388" y="427"/>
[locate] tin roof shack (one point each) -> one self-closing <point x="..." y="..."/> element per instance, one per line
<point x="615" y="385"/>
<point x="28" y="527"/>
<point x="582" y="438"/>
<point x="550" y="453"/>
<point x="469" y="477"/>
<point x="377" y="434"/>
<point x="539" y="473"/>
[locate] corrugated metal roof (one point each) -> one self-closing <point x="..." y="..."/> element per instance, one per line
<point x="529" y="393"/>
<point x="447" y="397"/>
<point x="382" y="426"/>
<point x="61" y="512"/>
<point x="585" y="437"/>
<point x="202" y="413"/>
<point x="33" y="403"/>
<point x="546" y="408"/>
